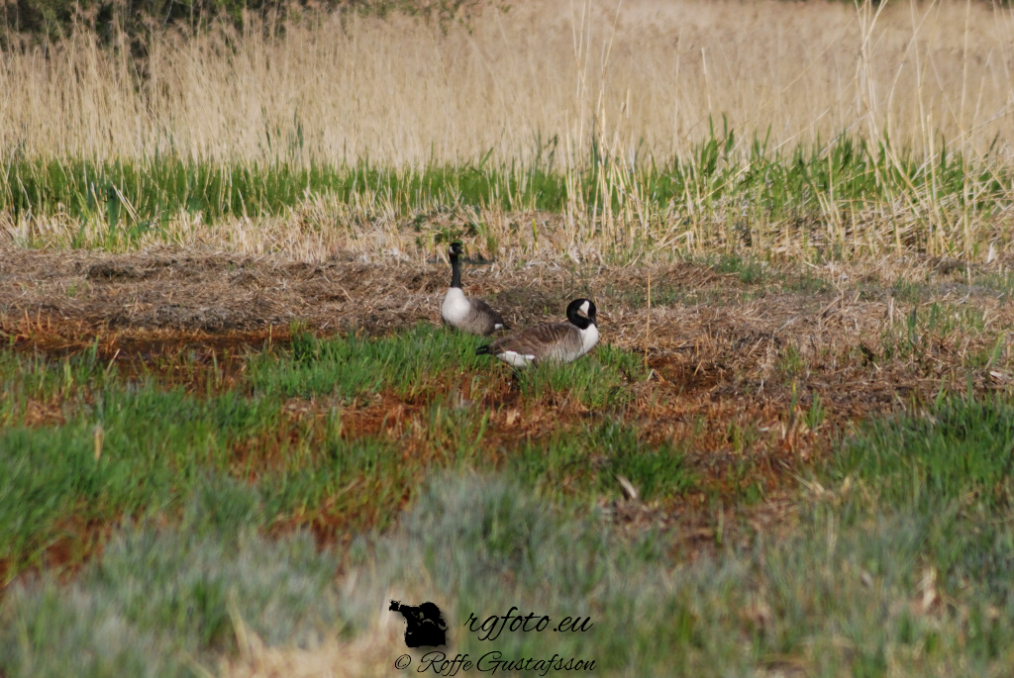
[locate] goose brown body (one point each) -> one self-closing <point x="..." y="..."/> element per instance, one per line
<point x="558" y="342"/>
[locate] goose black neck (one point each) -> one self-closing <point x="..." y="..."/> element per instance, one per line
<point x="455" y="271"/>
<point x="581" y="322"/>
<point x="578" y="320"/>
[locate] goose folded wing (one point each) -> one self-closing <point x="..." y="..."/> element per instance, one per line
<point x="547" y="340"/>
<point x="481" y="309"/>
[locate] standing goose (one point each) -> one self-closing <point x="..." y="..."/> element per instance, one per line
<point x="468" y="315"/>
<point x="561" y="342"/>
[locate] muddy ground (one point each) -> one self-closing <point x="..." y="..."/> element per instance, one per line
<point x="737" y="356"/>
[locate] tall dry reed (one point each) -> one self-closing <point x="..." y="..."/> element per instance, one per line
<point x="638" y="78"/>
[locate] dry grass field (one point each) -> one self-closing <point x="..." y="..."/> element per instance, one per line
<point x="232" y="428"/>
<point x="660" y="127"/>
<point x="639" y="77"/>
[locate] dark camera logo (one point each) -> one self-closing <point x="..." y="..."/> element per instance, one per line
<point x="426" y="626"/>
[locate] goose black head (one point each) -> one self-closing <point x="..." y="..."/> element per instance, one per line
<point x="456" y="250"/>
<point x="576" y="308"/>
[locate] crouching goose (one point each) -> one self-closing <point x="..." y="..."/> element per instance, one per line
<point x="468" y="315"/>
<point x="560" y="342"/>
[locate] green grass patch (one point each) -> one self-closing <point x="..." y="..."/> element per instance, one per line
<point x="142" y="195"/>
<point x="136" y="449"/>
<point x="585" y="463"/>
<point x="168" y="603"/>
<point x="947" y="473"/>
<point x="348" y="483"/>
<point x="961" y="449"/>
<point x="121" y="448"/>
<point x="1001" y="282"/>
<point x="749" y="271"/>
<point x="133" y="197"/>
<point x="416" y="363"/>
<point x="902" y="568"/>
<point x="833" y="597"/>
<point x="829" y="599"/>
<point x="907" y="291"/>
<point x="597" y="380"/>
<point x="38" y="378"/>
<point x="351" y="367"/>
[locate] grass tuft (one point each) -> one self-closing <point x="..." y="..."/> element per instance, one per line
<point x="351" y="367"/>
<point x="959" y="450"/>
<point x="166" y="603"/>
<point x="586" y="462"/>
<point x="597" y="380"/>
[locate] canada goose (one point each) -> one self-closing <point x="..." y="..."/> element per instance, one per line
<point x="468" y="315"/>
<point x="562" y="342"/>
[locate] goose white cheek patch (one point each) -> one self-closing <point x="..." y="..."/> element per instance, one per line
<point x="515" y="359"/>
